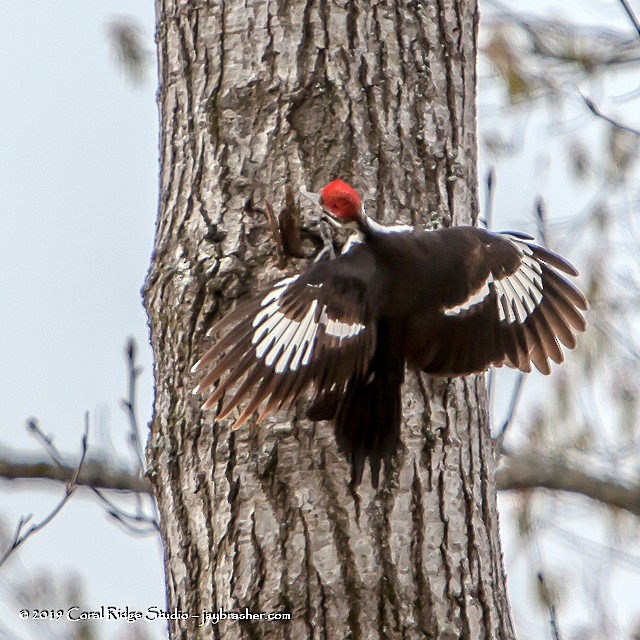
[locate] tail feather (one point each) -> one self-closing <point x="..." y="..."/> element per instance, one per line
<point x="368" y="417"/>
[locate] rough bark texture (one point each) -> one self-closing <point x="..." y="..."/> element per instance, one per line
<point x="254" y="96"/>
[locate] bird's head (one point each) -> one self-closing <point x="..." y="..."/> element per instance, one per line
<point x="339" y="201"/>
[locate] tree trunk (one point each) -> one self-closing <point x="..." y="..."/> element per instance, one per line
<point x="255" y="96"/>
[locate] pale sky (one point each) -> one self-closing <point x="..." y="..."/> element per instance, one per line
<point x="78" y="202"/>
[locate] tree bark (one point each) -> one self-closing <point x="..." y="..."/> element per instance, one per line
<point x="255" y="96"/>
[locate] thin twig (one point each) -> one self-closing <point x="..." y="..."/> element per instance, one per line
<point x="541" y="220"/>
<point x="19" y="537"/>
<point x="632" y="16"/>
<point x="487" y="220"/>
<point x="553" y="620"/>
<point x="47" y="442"/>
<point x="95" y="476"/>
<point x="130" y="404"/>
<point x="513" y="408"/>
<point x="90" y="482"/>
<point x="124" y="518"/>
<point x="595" y="110"/>
<point x="591" y="547"/>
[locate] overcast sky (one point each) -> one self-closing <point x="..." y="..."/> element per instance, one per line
<point x="78" y="202"/>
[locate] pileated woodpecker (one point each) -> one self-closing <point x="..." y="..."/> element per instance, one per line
<point x="448" y="302"/>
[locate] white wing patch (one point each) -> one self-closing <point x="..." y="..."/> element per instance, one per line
<point x="473" y="300"/>
<point x="521" y="292"/>
<point x="518" y="294"/>
<point x="289" y="343"/>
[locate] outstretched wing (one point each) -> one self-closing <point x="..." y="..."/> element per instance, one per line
<point x="314" y="329"/>
<point x="520" y="308"/>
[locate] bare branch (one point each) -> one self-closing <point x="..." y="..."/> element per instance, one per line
<point x="19" y="536"/>
<point x="541" y="221"/>
<point x="632" y="16"/>
<point x="588" y="48"/>
<point x="129" y="403"/>
<point x="46" y="441"/>
<point x="548" y="597"/>
<point x="595" y="110"/>
<point x="522" y="472"/>
<point x="94" y="474"/>
<point x="132" y="521"/>
<point x="513" y="408"/>
<point x="490" y="180"/>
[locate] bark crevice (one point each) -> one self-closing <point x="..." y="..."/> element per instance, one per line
<point x="256" y="96"/>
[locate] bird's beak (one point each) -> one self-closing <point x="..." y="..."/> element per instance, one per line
<point x="316" y="199"/>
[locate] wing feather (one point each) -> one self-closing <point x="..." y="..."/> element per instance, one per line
<point x="317" y="329"/>
<point x="529" y="311"/>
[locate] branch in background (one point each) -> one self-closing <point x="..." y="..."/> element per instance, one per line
<point x="541" y="221"/>
<point x="96" y="476"/>
<point x="595" y="110"/>
<point x="632" y="16"/>
<point x="93" y="474"/>
<point x="487" y="219"/>
<point x="548" y="598"/>
<point x="46" y="441"/>
<point x="20" y="536"/>
<point x="588" y="47"/>
<point x="140" y="516"/>
<point x="131" y="350"/>
<point x="498" y="443"/>
<point x="521" y="472"/>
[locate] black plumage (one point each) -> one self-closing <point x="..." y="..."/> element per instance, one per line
<point x="448" y="302"/>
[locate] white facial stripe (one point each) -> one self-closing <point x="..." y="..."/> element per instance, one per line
<point x="353" y="240"/>
<point x="383" y="228"/>
<point x="476" y="298"/>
